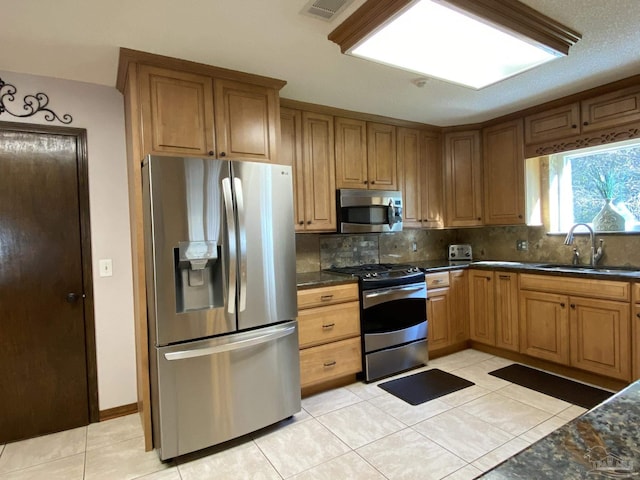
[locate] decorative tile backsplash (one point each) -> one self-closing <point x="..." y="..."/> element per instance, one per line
<point x="319" y="251"/>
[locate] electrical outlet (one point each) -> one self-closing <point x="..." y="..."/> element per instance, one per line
<point x="106" y="267"/>
<point x="414" y="246"/>
<point x="522" y="245"/>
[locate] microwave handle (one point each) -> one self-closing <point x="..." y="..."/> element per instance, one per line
<point x="391" y="214"/>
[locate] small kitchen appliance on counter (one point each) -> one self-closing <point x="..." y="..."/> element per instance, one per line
<point x="393" y="317"/>
<point x="460" y="253"/>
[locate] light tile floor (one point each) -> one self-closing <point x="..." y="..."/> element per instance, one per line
<point x="356" y="432"/>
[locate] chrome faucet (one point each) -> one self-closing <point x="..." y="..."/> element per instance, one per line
<point x="596" y="255"/>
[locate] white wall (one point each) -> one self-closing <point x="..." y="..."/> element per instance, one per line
<point x="100" y="111"/>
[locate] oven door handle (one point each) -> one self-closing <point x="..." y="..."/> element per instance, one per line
<point x="370" y="299"/>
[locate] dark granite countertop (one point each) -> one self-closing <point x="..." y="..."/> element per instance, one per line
<point x="602" y="443"/>
<point x="601" y="272"/>
<point x="322" y="279"/>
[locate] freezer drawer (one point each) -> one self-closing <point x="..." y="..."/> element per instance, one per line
<point x="211" y="391"/>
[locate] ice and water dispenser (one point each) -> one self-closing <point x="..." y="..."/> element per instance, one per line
<point x="198" y="276"/>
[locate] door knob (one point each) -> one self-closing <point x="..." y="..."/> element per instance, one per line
<point x="72" y="297"/>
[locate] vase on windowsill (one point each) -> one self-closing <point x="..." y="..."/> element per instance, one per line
<point x="608" y="219"/>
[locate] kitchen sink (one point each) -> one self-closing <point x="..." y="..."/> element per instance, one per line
<point x="560" y="267"/>
<point x="497" y="263"/>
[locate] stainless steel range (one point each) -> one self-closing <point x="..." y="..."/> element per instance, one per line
<point x="393" y="317"/>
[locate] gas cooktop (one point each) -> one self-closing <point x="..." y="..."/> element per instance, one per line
<point x="387" y="273"/>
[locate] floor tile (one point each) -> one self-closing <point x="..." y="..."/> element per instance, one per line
<point x="533" y="398"/>
<point x="123" y="460"/>
<point x="465" y="473"/>
<point x="28" y="453"/>
<point x="465" y="395"/>
<point x="478" y="375"/>
<point x="113" y="431"/>
<point x="366" y="391"/>
<point x="349" y="466"/>
<point x="458" y="360"/>
<point x="329" y="401"/>
<point x="500" y="454"/>
<point x="407" y="413"/>
<point x="300" y="446"/>
<point x="494" y="363"/>
<point x="572" y="412"/>
<point x="408" y="455"/>
<point x="168" y="474"/>
<point x="360" y="424"/>
<point x="68" y="468"/>
<point x="242" y="462"/>
<point x="543" y="429"/>
<point x="463" y="434"/>
<point x="507" y="414"/>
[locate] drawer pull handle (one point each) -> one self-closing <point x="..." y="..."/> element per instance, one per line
<point x="326" y="298"/>
<point x="330" y="364"/>
<point x="504" y="277"/>
<point x="329" y="325"/>
<point x="438" y="280"/>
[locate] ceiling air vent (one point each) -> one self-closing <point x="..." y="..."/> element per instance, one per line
<point x="325" y="9"/>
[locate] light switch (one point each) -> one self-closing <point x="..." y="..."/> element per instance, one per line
<point x="106" y="267"/>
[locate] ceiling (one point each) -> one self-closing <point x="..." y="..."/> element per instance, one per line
<point x="79" y="40"/>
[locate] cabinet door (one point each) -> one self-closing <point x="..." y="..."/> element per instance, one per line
<point x="438" y="308"/>
<point x="177" y="110"/>
<point x="381" y="157"/>
<point x="544" y="326"/>
<point x="560" y="122"/>
<point x="351" y="153"/>
<point x="431" y="180"/>
<point x="601" y="337"/>
<point x="409" y="176"/>
<point x="635" y="329"/>
<point x="611" y="109"/>
<point x="481" y="307"/>
<point x="503" y="155"/>
<point x="247" y="121"/>
<point x="463" y="179"/>
<point x="459" y="309"/>
<point x="506" y="299"/>
<point x="291" y="154"/>
<point x="318" y="170"/>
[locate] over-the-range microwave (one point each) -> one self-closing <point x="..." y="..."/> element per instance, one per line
<point x="363" y="211"/>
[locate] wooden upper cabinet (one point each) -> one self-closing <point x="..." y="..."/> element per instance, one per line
<point x="409" y="176"/>
<point x="431" y="180"/>
<point x="611" y="109"/>
<point x="463" y="178"/>
<point x="247" y="122"/>
<point x="177" y="111"/>
<point x="560" y="122"/>
<point x="351" y="153"/>
<point x="290" y="153"/>
<point x="503" y="156"/>
<point x="381" y="157"/>
<point x="318" y="172"/>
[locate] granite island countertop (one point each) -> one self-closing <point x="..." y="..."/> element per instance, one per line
<point x="602" y="443"/>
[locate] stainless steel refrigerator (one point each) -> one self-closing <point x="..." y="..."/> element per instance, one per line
<point x="221" y="292"/>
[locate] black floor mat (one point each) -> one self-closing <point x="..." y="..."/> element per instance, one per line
<point x="424" y="386"/>
<point x="558" y="387"/>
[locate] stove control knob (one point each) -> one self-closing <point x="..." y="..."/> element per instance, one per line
<point x="374" y="274"/>
<point x="453" y="254"/>
<point x="367" y="275"/>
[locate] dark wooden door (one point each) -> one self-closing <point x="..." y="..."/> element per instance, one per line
<point x="43" y="346"/>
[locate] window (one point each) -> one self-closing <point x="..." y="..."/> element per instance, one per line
<point x="581" y="182"/>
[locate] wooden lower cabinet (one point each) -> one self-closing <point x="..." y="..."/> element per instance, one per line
<point x="329" y="333"/>
<point x="600" y="336"/>
<point x="544" y="326"/>
<point x="481" y="307"/>
<point x="447" y="309"/>
<point x="506" y="310"/>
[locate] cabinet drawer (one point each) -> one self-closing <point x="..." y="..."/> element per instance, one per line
<point x="606" y="289"/>
<point x="327" y="324"/>
<point x="437" y="280"/>
<point x="316" y="297"/>
<point x="333" y="360"/>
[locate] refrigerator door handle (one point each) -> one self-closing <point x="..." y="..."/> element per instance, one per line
<point x="242" y="230"/>
<point x="231" y="230"/>
<point x="231" y="346"/>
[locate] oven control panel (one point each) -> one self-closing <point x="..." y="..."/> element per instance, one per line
<point x="460" y="252"/>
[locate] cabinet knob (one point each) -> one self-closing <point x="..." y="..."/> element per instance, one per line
<point x="373" y="182"/>
<point x="300" y="222"/>
<point x="585" y="123"/>
<point x="223" y="154"/>
<point x="211" y="153"/>
<point x="309" y="222"/>
<point x="573" y="305"/>
<point x="638" y="315"/>
<point x="365" y="182"/>
<point x="562" y="304"/>
<point x="520" y="216"/>
<point x="574" y="126"/>
<point x="479" y="218"/>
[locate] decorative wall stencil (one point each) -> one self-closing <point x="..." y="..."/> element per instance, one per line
<point x="33" y="104"/>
